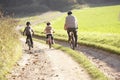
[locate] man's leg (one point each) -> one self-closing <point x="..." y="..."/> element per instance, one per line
<point x="68" y="32"/>
<point x="76" y="37"/>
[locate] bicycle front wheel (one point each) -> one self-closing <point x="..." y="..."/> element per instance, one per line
<point x="72" y="43"/>
<point x="49" y="42"/>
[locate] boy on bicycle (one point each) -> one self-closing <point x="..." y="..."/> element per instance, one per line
<point x="28" y="32"/>
<point x="49" y="31"/>
<point x="71" y="25"/>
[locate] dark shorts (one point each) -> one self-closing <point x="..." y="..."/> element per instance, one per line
<point x="71" y="29"/>
<point x="49" y="35"/>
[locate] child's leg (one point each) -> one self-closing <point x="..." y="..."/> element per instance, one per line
<point x="53" y="42"/>
<point x="31" y="40"/>
<point x="46" y="39"/>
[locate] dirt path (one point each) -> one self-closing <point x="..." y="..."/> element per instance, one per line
<point x="46" y="64"/>
<point x="108" y="63"/>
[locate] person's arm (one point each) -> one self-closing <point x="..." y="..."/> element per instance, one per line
<point x="32" y="31"/>
<point x="24" y="31"/>
<point x="76" y="22"/>
<point x="65" y="25"/>
<point x="53" y="30"/>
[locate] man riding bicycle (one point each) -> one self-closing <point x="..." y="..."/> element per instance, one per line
<point x="28" y="31"/>
<point x="71" y="25"/>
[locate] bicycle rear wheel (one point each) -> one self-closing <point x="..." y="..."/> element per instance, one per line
<point x="49" y="42"/>
<point x="73" y="43"/>
<point x="29" y="43"/>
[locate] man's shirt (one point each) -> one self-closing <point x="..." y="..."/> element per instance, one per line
<point x="71" y="22"/>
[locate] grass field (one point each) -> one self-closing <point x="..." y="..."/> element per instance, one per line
<point x="98" y="26"/>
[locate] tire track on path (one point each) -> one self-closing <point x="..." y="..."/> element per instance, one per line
<point x="107" y="62"/>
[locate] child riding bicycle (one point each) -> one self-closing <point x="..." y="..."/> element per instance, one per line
<point x="49" y="31"/>
<point x="28" y="32"/>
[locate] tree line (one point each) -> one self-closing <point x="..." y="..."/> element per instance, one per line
<point x="51" y="3"/>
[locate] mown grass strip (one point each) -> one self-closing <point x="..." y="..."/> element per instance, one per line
<point x="108" y="48"/>
<point x="105" y="47"/>
<point x="94" y="72"/>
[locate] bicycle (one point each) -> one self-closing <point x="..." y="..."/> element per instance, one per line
<point x="29" y="43"/>
<point x="49" y="41"/>
<point x="72" y="40"/>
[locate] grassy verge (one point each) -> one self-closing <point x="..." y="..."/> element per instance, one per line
<point x="83" y="61"/>
<point x="10" y="47"/>
<point x="105" y="47"/>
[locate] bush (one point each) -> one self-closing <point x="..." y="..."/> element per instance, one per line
<point x="59" y="4"/>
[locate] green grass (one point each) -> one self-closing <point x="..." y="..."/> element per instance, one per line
<point x="10" y="47"/>
<point x="83" y="61"/>
<point x="101" y="19"/>
<point x="98" y="26"/>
